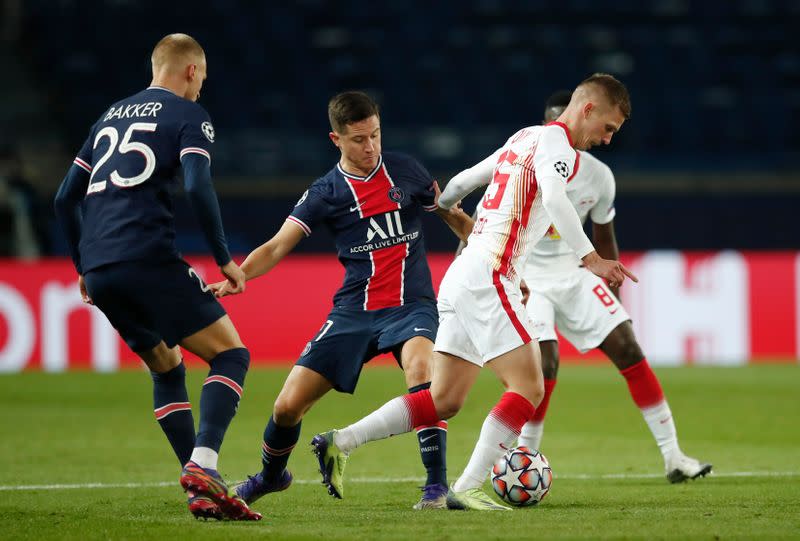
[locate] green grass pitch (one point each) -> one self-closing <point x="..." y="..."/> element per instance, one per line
<point x="83" y="458"/>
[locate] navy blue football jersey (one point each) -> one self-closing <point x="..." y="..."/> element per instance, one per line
<point x="133" y="154"/>
<point x="376" y="223"/>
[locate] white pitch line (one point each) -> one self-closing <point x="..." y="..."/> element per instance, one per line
<point x="368" y="480"/>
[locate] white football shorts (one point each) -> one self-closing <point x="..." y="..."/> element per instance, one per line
<point x="579" y="303"/>
<point x="481" y="315"/>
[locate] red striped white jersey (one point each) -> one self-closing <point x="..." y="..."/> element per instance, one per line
<point x="511" y="217"/>
<point x="376" y="223"/>
<point x="592" y="193"/>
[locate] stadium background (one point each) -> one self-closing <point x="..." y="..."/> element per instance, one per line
<point x="706" y="169"/>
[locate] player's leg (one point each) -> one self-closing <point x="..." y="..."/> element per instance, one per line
<point x="519" y="370"/>
<point x="132" y="314"/>
<point x="171" y="404"/>
<point x="220" y="346"/>
<point x="624" y="351"/>
<point x="532" y="431"/>
<point x="415" y="357"/>
<point x="451" y="383"/>
<point x="301" y="390"/>
<point x="542" y="311"/>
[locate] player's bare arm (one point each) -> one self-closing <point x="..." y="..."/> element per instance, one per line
<point x="264" y="258"/>
<point x="459" y="222"/>
<point x="605" y="242"/>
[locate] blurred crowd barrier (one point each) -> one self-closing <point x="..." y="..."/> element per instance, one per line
<point x="717" y="308"/>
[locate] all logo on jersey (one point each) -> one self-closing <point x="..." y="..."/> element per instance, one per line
<point x="562" y="169"/>
<point x="302" y="199"/>
<point x="384" y="231"/>
<point x="396" y="194"/>
<point x="392" y="223"/>
<point x="208" y="130"/>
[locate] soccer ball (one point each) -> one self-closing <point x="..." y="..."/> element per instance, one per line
<point x="522" y="476"/>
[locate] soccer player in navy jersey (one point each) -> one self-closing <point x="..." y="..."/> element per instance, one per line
<point x="115" y="207"/>
<point x="371" y="201"/>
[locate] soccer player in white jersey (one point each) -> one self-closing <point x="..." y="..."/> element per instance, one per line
<point x="482" y="318"/>
<point x="588" y="312"/>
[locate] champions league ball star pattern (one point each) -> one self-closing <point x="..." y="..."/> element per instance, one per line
<point x="522" y="477"/>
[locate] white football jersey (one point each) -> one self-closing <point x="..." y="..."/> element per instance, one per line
<point x="511" y="217"/>
<point x="591" y="191"/>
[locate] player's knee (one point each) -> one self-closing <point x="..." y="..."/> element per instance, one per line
<point x="417" y="370"/>
<point x="628" y="353"/>
<point x="288" y="411"/>
<point x="448" y="404"/>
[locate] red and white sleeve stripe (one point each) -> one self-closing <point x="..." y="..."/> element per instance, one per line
<point x="82" y="164"/>
<point x="196" y="150"/>
<point x="299" y="222"/>
<point x="429" y="208"/>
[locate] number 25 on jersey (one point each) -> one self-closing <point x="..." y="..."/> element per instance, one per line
<point x="125" y="146"/>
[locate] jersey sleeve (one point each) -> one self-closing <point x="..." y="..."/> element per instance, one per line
<point x="555" y="163"/>
<point x="603" y="211"/>
<point x="197" y="133"/>
<point x="424" y="194"/>
<point x="311" y="209"/>
<point x="84" y="157"/>
<point x="469" y="180"/>
<point x="554" y="157"/>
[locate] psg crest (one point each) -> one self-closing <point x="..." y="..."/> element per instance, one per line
<point x="396" y="194"/>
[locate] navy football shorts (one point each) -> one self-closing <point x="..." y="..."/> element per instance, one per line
<point x="351" y="337"/>
<point x="148" y="302"/>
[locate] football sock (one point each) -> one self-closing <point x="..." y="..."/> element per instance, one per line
<point x="500" y="429"/>
<point x="648" y="395"/>
<point x="531" y="434"/>
<point x="220" y="397"/>
<point x="398" y="416"/>
<point x="173" y="410"/>
<point x="432" y="446"/>
<point x="278" y="444"/>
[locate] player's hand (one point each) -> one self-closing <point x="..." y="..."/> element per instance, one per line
<point x="220" y="289"/>
<point x="437" y="192"/>
<point x="236" y="278"/>
<point x="84" y="293"/>
<point x="526" y="292"/>
<point x="612" y="271"/>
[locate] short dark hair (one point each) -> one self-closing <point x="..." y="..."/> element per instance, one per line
<point x="614" y="90"/>
<point x="556" y="104"/>
<point x="349" y="107"/>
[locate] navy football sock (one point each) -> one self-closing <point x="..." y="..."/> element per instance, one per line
<point x="220" y="396"/>
<point x="278" y="444"/>
<point x="432" y="446"/>
<point x="173" y="410"/>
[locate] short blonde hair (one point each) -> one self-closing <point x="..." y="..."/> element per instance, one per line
<point x="614" y="91"/>
<point x="176" y="47"/>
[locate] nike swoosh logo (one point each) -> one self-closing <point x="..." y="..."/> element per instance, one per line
<point x="353" y="209"/>
<point x="423" y="440"/>
<point x="417" y="329"/>
<point x="662" y="421"/>
<point x="615" y="311"/>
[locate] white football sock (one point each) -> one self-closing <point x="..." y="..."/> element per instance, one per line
<point x="495" y="438"/>
<point x="390" y="419"/>
<point x="531" y="435"/>
<point x="659" y="419"/>
<point x="205" y="457"/>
